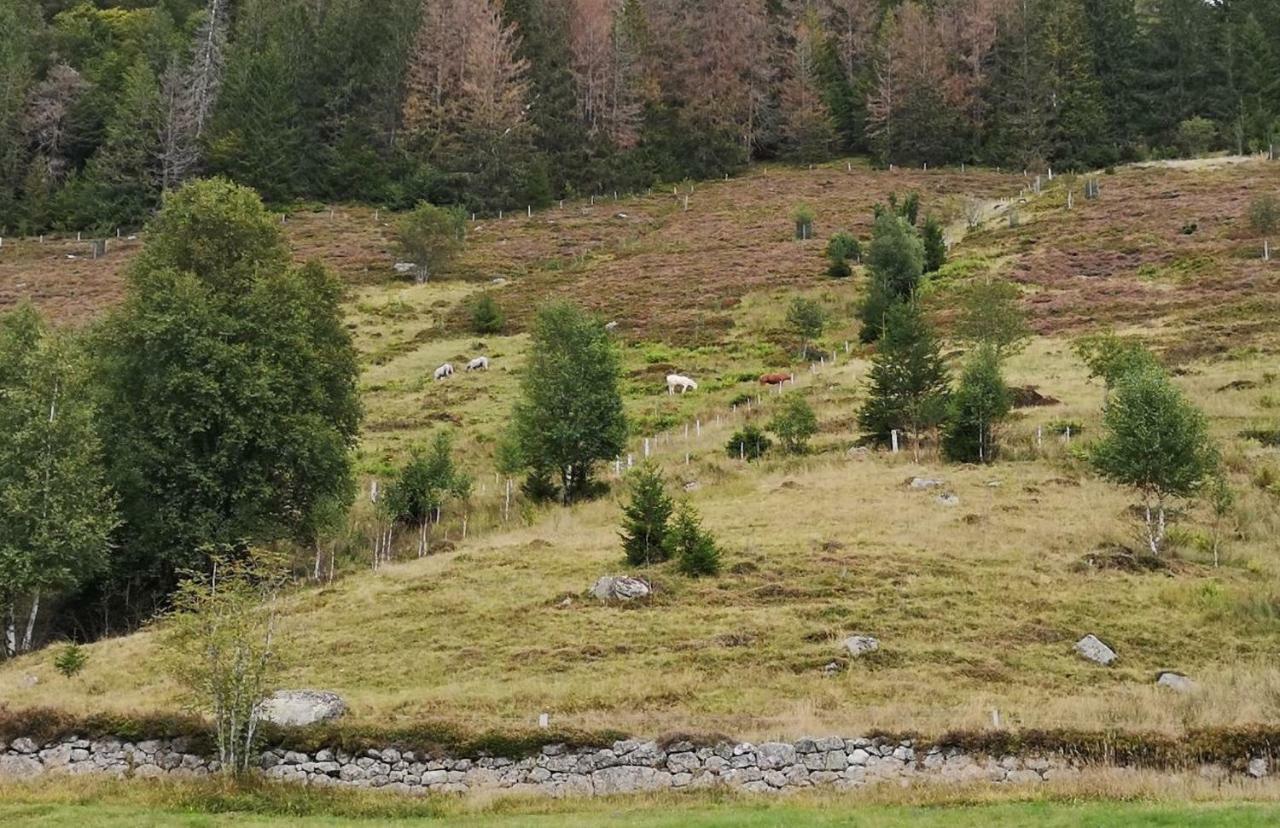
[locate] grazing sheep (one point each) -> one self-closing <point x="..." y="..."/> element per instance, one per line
<point x="478" y="364"/>
<point x="444" y="371"/>
<point x="675" y="381"/>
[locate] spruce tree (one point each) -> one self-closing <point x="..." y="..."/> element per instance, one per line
<point x="908" y="380"/>
<point x="646" y="518"/>
<point x="123" y="180"/>
<point x="978" y="405"/>
<point x="1076" y="115"/>
<point x="935" y="245"/>
<point x="694" y="548"/>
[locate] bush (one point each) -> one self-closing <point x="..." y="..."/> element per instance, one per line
<point x="1196" y="135"/>
<point x="645" y="520"/>
<point x="794" y="423"/>
<point x="692" y="546"/>
<point x="431" y="237"/>
<point x="978" y="405"/>
<point x="486" y="316"/>
<point x="807" y="320"/>
<point x="990" y="315"/>
<point x="71" y="660"/>
<point x="750" y="443"/>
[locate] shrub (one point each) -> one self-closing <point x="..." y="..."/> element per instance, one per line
<point x="431" y="237"/>
<point x="794" y="423"/>
<point x="1196" y="135"/>
<point x="1109" y="357"/>
<point x="424" y="485"/>
<point x="750" y="443"/>
<point x="70" y="660"/>
<point x="486" y="316"/>
<point x="692" y="546"/>
<point x="1264" y="217"/>
<point x="646" y="519"/>
<point x="1156" y="442"/>
<point x="978" y="405"/>
<point x="842" y="248"/>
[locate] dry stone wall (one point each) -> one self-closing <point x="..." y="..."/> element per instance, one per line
<point x="624" y="767"/>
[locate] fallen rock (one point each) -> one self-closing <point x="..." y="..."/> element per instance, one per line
<point x="1258" y="767"/>
<point x="620" y="588"/>
<point x="1028" y="396"/>
<point x="832" y="668"/>
<point x="30" y="681"/>
<point x="1175" y="681"/>
<point x="921" y="483"/>
<point x="299" y="708"/>
<point x="692" y="486"/>
<point x="861" y="644"/>
<point x="404" y="267"/>
<point x="1091" y="647"/>
<point x="948" y="500"/>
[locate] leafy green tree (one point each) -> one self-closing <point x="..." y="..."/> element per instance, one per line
<point x="424" y="485"/>
<point x="569" y="416"/>
<point x="978" y="405"/>
<point x="431" y="237"/>
<point x="895" y="261"/>
<point x="56" y="511"/>
<point x="224" y="648"/>
<point x="795" y="424"/>
<point x="990" y="314"/>
<point x="935" y="245"/>
<point x="229" y="380"/>
<point x="1109" y="357"/>
<point x="646" y="519"/>
<point x="1157" y="442"/>
<point x="486" y="315"/>
<point x="908" y="380"/>
<point x="841" y="249"/>
<point x="807" y="320"/>
<point x="748" y="443"/>
<point x="693" y="547"/>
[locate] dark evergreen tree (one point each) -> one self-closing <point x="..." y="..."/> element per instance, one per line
<point x="895" y="262"/>
<point x="976" y="408"/>
<point x="907" y="385"/>
<point x="646" y="518"/>
<point x="693" y="547"/>
<point x="934" y="241"/>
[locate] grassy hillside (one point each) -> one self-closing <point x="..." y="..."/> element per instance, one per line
<point x="977" y="605"/>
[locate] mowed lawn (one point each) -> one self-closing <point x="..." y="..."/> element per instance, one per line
<point x="1045" y="815"/>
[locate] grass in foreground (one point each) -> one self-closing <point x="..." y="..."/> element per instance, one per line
<point x="1100" y="799"/>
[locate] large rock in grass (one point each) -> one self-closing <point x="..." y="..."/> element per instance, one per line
<point x="861" y="644"/>
<point x="1175" y="681"/>
<point x="620" y="588"/>
<point x="1091" y="648"/>
<point x="299" y="708"/>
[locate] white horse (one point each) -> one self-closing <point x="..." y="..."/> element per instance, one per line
<point x="675" y="381"/>
<point x="444" y="371"/>
<point x="478" y="364"/>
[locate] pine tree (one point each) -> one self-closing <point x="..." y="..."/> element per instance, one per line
<point x="1255" y="74"/>
<point x="976" y="407"/>
<point x="908" y="379"/>
<point x="646" y="518"/>
<point x="1076" y="116"/>
<point x="1116" y="49"/>
<point x="935" y="245"/>
<point x="124" y="178"/>
<point x="693" y="547"/>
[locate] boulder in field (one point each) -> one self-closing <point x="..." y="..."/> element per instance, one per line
<point x="861" y="644"/>
<point x="620" y="588"/>
<point x="1091" y="648"/>
<point x="299" y="708"/>
<point x="1175" y="681"/>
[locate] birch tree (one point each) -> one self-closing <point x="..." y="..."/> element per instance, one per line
<point x="56" y="512"/>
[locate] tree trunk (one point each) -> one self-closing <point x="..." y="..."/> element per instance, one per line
<point x="31" y="623"/>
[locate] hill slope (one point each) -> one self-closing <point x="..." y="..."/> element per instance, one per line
<point x="976" y="605"/>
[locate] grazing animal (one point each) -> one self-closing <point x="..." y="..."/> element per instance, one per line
<point x="478" y="364"/>
<point x="444" y="371"/>
<point x="774" y="379"/>
<point x="675" y="381"/>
